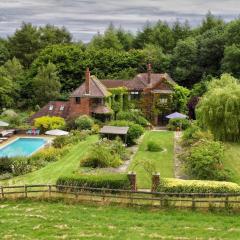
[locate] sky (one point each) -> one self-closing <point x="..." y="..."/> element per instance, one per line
<point x="85" y="18"/>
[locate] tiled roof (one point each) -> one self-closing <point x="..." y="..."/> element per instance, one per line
<point x="140" y="82"/>
<point x="96" y="89"/>
<point x="53" y="108"/>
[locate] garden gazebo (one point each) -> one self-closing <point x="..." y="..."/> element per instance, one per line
<point x="115" y="131"/>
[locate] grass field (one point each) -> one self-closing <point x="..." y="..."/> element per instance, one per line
<point x="232" y="160"/>
<point x="57" y="220"/>
<point x="50" y="173"/>
<point x="163" y="161"/>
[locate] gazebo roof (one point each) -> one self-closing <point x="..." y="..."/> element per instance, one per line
<point x="114" y="130"/>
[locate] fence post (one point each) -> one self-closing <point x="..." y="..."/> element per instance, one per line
<point x="2" y="192"/>
<point x="226" y="202"/>
<point x="49" y="190"/>
<point x="133" y="181"/>
<point x="155" y="181"/>
<point x="193" y="202"/>
<point x="25" y="191"/>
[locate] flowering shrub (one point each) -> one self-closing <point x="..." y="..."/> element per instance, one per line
<point x="173" y="185"/>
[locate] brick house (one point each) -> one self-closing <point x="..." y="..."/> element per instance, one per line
<point x="91" y="97"/>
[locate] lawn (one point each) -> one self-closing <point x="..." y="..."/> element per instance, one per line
<point x="50" y="173"/>
<point x="27" y="219"/>
<point x="163" y="161"/>
<point x="232" y="160"/>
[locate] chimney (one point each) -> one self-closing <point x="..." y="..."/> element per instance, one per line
<point x="87" y="81"/>
<point x="149" y="72"/>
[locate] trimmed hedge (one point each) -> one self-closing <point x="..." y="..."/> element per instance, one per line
<point x="172" y="185"/>
<point x="110" y="181"/>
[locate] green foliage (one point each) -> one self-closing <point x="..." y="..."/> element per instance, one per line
<point x="154" y="147"/>
<point x="134" y="132"/>
<point x="231" y="60"/>
<point x="193" y="134"/>
<point x="173" y="185"/>
<point x="219" y="108"/>
<point x="84" y="122"/>
<point x="178" y="123"/>
<point x="204" y="160"/>
<point x="110" y="181"/>
<point x="133" y="116"/>
<point x="46" y="85"/>
<point x="27" y="41"/>
<point x="180" y="98"/>
<point x="73" y="138"/>
<point x="105" y="154"/>
<point x="49" y="123"/>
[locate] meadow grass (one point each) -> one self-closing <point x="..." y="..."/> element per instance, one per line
<point x="50" y="173"/>
<point x="163" y="161"/>
<point x="25" y="219"/>
<point x="232" y="160"/>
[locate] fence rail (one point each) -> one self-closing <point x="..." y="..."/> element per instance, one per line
<point x="185" y="200"/>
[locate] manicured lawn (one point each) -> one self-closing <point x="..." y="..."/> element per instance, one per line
<point x="50" y="173"/>
<point x="163" y="161"/>
<point x="56" y="220"/>
<point x="232" y="160"/>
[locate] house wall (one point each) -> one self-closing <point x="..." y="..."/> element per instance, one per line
<point x="84" y="108"/>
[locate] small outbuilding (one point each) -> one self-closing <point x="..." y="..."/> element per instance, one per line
<point x="113" y="131"/>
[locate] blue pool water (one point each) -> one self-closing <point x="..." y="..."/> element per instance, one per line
<point x="22" y="147"/>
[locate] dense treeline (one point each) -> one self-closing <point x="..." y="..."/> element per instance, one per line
<point x="42" y="63"/>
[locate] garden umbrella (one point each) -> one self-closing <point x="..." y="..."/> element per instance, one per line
<point x="176" y="115"/>
<point x="3" y="124"/>
<point x="57" y="132"/>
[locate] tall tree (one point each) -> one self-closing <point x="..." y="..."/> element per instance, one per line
<point x="46" y="85"/>
<point x="219" y="108"/>
<point x="231" y="60"/>
<point x="4" y="53"/>
<point x="184" y="60"/>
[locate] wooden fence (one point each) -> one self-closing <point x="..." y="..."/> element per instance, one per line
<point x="184" y="200"/>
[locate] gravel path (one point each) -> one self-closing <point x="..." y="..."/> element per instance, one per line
<point x="178" y="171"/>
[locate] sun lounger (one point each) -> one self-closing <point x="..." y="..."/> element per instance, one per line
<point x="29" y="132"/>
<point x="3" y="138"/>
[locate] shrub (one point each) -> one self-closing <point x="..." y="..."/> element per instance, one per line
<point x="154" y="147"/>
<point x="73" y="138"/>
<point x="173" y="185"/>
<point x="193" y="134"/>
<point x="48" y="123"/>
<point x="84" y="122"/>
<point x="50" y="154"/>
<point x="133" y="116"/>
<point x="110" y="181"/>
<point x="134" y="132"/>
<point x="178" y="123"/>
<point x="5" y="165"/>
<point x="9" y="113"/>
<point x="20" y="165"/>
<point x="95" y="129"/>
<point x="204" y="160"/>
<point x="105" y="153"/>
<point x="102" y="158"/>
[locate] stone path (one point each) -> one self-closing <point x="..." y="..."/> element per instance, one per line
<point x="178" y="171"/>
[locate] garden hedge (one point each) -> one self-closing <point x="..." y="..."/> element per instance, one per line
<point x="172" y="185"/>
<point x="110" y="181"/>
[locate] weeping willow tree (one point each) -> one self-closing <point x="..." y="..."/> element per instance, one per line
<point x="219" y="108"/>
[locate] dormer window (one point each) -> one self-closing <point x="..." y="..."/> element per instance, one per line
<point x="50" y="107"/>
<point x="78" y="100"/>
<point x="62" y="108"/>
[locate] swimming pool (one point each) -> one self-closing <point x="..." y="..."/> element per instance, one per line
<point x="22" y="147"/>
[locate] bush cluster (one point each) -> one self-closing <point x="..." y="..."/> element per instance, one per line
<point x="84" y="122"/>
<point x="204" y="160"/>
<point x="110" y="181"/>
<point x="104" y="154"/>
<point x="178" y="123"/>
<point x="16" y="166"/>
<point x="154" y="147"/>
<point x="134" y="132"/>
<point x="48" y="123"/>
<point x="74" y="137"/>
<point x="173" y="185"/>
<point x="133" y="116"/>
